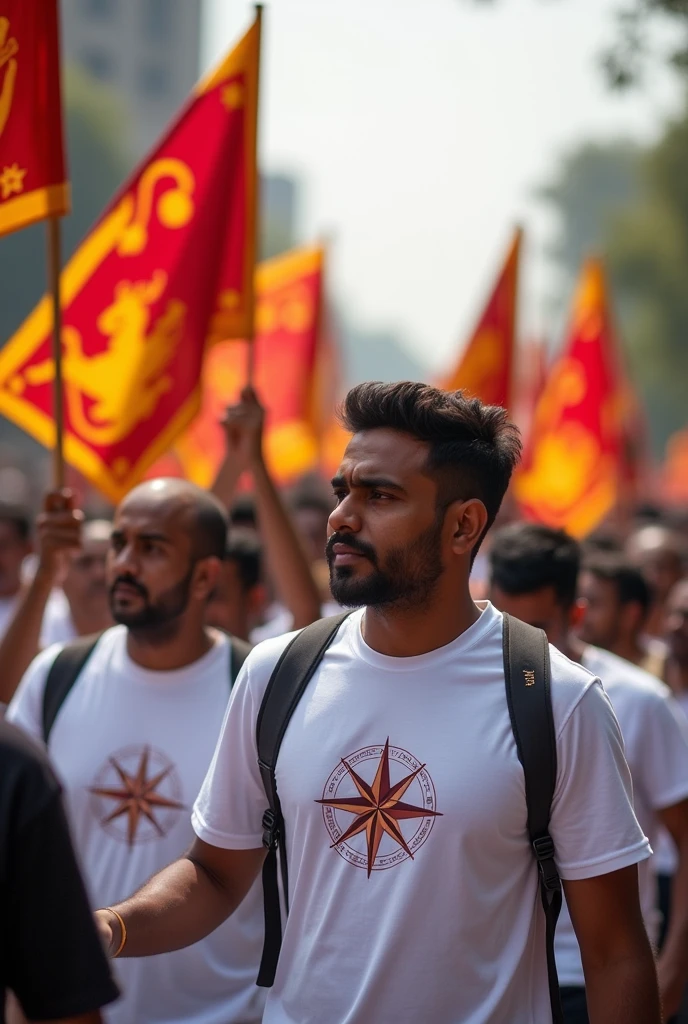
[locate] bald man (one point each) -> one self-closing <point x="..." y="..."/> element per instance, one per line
<point x="134" y="736"/>
<point x="660" y="554"/>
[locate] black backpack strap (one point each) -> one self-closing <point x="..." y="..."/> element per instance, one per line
<point x="528" y="691"/>
<point x="238" y="653"/>
<point x="287" y="684"/>
<point x="63" y="673"/>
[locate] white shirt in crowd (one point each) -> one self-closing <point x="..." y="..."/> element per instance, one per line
<point x="131" y="747"/>
<point x="57" y="626"/>
<point x="655" y="734"/>
<point x="413" y="887"/>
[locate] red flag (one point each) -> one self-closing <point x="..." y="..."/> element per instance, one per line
<point x="168" y="267"/>
<point x="486" y="364"/>
<point x="33" y="178"/>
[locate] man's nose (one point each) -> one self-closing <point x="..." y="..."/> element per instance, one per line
<point x="346" y="516"/>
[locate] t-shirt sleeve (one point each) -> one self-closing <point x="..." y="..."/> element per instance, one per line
<point x="56" y="964"/>
<point x="229" y="810"/>
<point x="593" y="824"/>
<point x="26" y="707"/>
<point x="663" y="751"/>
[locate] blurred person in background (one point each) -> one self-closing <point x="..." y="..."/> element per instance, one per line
<point x="239" y="599"/>
<point x="51" y="957"/>
<point x="660" y="554"/>
<point x="284" y="561"/>
<point x="71" y="553"/>
<point x="676" y="636"/>
<point x="15" y="548"/>
<point x="615" y="601"/>
<point x="134" y="735"/>
<point x="534" y="576"/>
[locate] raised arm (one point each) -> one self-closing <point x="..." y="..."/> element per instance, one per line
<point x="58" y="531"/>
<point x="620" y="976"/>
<point x="183" y="903"/>
<point x="285" y="557"/>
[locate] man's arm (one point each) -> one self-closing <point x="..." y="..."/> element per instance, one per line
<point x="285" y="556"/>
<point x="58" y="531"/>
<point x="183" y="903"/>
<point x="672" y="967"/>
<point x="620" y="975"/>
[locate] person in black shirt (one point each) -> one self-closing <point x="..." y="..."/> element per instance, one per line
<point x="50" y="953"/>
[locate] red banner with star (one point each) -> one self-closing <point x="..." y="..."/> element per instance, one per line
<point x="573" y="468"/>
<point x="33" y="178"/>
<point x="485" y="368"/>
<point x="288" y="298"/>
<point x="166" y="271"/>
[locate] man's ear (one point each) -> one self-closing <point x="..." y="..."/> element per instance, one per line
<point x="577" y="613"/>
<point x="206" y="574"/>
<point x="467" y="521"/>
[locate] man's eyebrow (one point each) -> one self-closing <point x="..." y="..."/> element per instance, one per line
<point x="149" y="535"/>
<point x="369" y="482"/>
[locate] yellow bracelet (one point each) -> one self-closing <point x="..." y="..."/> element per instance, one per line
<point x="123" y="929"/>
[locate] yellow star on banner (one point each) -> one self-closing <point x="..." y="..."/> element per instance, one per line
<point x="233" y="96"/>
<point x="12" y="180"/>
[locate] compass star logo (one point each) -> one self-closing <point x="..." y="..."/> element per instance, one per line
<point x="136" y="796"/>
<point x="393" y="814"/>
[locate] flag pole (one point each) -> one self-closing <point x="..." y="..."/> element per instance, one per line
<point x="251" y="349"/>
<point x="54" y="265"/>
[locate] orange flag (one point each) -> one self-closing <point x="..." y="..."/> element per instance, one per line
<point x="486" y="364"/>
<point x="572" y="469"/>
<point x="288" y="295"/>
<point x="167" y="268"/>
<point x="674" y="473"/>
<point x="33" y="178"/>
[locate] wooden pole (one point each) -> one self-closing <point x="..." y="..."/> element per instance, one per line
<point x="54" y="267"/>
<point x="251" y="340"/>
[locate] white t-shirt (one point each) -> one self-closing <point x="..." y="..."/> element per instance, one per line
<point x="655" y="736"/>
<point x="123" y="732"/>
<point x="430" y="911"/>
<point x="57" y="626"/>
<point x="665" y="858"/>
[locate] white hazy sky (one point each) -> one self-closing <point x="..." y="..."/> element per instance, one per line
<point x="419" y="129"/>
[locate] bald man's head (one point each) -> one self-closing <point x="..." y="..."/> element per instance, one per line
<point x="659" y="553"/>
<point x="198" y="511"/>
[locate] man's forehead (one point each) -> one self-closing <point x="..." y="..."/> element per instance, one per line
<point x="382" y="450"/>
<point x="144" y="514"/>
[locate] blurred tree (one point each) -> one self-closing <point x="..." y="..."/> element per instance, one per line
<point x="98" y="160"/>
<point x="632" y="206"/>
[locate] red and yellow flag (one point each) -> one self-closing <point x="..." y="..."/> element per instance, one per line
<point x="288" y="297"/>
<point x="572" y="470"/>
<point x="673" y="479"/>
<point x="485" y="368"/>
<point x="33" y="178"/>
<point x="167" y="269"/>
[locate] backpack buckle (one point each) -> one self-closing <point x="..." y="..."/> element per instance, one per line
<point x="271" y="830"/>
<point x="543" y="848"/>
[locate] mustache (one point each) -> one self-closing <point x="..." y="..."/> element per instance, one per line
<point x="360" y="546"/>
<point x="130" y="582"/>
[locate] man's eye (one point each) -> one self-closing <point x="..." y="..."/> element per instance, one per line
<point x="340" y="495"/>
<point x="376" y="495"/>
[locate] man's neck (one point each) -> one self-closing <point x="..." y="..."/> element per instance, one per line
<point x="406" y="632"/>
<point x="160" y="653"/>
<point x="89" y="620"/>
<point x="629" y="649"/>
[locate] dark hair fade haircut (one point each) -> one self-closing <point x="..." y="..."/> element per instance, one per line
<point x="526" y="557"/>
<point x="473" y="448"/>
<point x="628" y="581"/>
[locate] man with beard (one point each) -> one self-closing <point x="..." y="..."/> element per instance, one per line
<point x="133" y="740"/>
<point x="412" y="886"/>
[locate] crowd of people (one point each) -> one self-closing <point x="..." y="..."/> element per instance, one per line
<point x="412" y="891"/>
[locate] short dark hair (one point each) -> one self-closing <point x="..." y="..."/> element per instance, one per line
<point x="243" y="512"/>
<point x="19" y="516"/>
<point x="473" y="447"/>
<point x="525" y="557"/>
<point x="209" y="531"/>
<point x="245" y="550"/>
<point x="629" y="582"/>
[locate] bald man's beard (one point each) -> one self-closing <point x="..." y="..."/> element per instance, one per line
<point x="155" y="620"/>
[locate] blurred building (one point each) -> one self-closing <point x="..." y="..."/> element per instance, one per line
<point x="279" y="199"/>
<point x="146" y="50"/>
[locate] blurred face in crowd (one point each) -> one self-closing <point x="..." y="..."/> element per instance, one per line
<point x="85" y="582"/>
<point x="311" y="526"/>
<point x="604" y="619"/>
<point x="233" y="607"/>
<point x="541" y="608"/>
<point x="677" y="623"/>
<point x="386" y="541"/>
<point x="657" y="551"/>
<point x="13" y="551"/>
<point x="153" y="577"/>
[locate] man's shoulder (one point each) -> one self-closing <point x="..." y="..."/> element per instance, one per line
<point x="570" y="682"/>
<point x="25" y="772"/>
<point x="264" y="657"/>
<point x="622" y="677"/>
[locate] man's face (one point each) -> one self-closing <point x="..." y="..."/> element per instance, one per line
<point x="311" y="525"/>
<point x="13" y="551"/>
<point x="601" y="618"/>
<point x="677" y="623"/>
<point x="149" y="565"/>
<point x="538" y="608"/>
<point x="654" y="551"/>
<point x="232" y="607"/>
<point x="385" y="542"/>
<point x="86" y="582"/>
